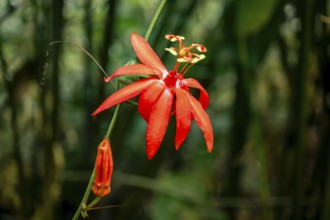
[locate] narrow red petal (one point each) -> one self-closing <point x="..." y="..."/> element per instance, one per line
<point x="134" y="69"/>
<point x="146" y="54"/>
<point x="202" y="119"/>
<point x="148" y="98"/>
<point x="183" y="117"/>
<point x="124" y="94"/>
<point x="203" y="97"/>
<point x="158" y="121"/>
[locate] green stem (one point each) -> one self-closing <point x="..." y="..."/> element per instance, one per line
<point x="113" y="121"/>
<point x="85" y="197"/>
<point x="154" y="19"/>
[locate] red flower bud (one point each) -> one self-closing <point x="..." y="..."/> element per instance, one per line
<point x="103" y="169"/>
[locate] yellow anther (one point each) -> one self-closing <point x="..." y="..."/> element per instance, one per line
<point x="196" y="59"/>
<point x="199" y="47"/>
<point x="181" y="60"/>
<point x="172" y="50"/>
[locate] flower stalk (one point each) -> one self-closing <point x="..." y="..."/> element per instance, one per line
<point x="83" y="208"/>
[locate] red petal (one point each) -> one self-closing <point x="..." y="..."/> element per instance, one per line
<point x="158" y="121"/>
<point x="148" y="97"/>
<point x="183" y="117"/>
<point x="124" y="94"/>
<point x="146" y="54"/>
<point x="134" y="70"/>
<point x="203" y="97"/>
<point x="202" y="119"/>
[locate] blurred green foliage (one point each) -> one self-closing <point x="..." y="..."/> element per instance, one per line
<point x="266" y="71"/>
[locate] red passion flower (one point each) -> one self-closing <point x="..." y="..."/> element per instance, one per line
<point x="164" y="92"/>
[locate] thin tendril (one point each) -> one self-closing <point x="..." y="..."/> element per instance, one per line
<point x="87" y="53"/>
<point x="109" y="207"/>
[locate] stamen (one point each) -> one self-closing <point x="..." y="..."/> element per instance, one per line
<point x="177" y="64"/>
<point x="186" y="70"/>
<point x="182" y="71"/>
<point x="184" y="54"/>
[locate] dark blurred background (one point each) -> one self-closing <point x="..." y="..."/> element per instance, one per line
<point x="266" y="71"/>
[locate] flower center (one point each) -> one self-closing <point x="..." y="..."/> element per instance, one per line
<point x="171" y="79"/>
